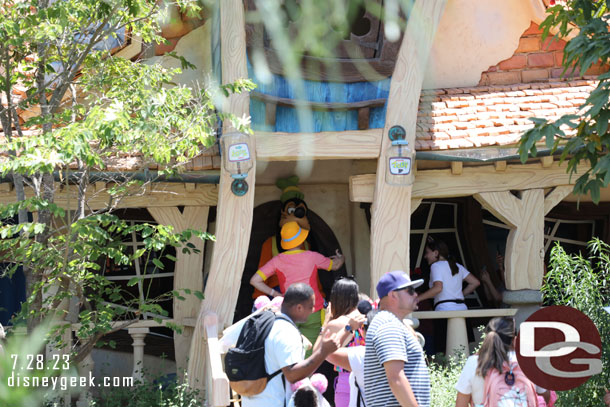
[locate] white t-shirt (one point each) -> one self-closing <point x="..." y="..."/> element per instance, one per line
<point x="452" y="285"/>
<point x="471" y="383"/>
<point x="283" y="347"/>
<point x="355" y="355"/>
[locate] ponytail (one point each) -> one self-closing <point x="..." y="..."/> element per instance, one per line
<point x="499" y="335"/>
<point x="452" y="265"/>
<point x="443" y="251"/>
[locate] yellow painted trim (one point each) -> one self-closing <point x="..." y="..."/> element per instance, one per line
<point x="260" y="273"/>
<point x="296" y="251"/>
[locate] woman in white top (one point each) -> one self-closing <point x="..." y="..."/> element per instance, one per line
<point x="446" y="277"/>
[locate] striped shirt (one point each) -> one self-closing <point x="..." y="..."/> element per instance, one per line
<point x="389" y="339"/>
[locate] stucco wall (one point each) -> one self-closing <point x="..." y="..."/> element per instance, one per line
<point x="474" y="35"/>
<point x="196" y="48"/>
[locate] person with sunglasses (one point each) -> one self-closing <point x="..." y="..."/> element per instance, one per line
<point x="395" y="370"/>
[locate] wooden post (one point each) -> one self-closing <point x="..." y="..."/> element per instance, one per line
<point x="524" y="260"/>
<point x="391" y="210"/>
<point x="234" y="213"/>
<point x="188" y="272"/>
<point x="216" y="379"/>
<point x="234" y="216"/>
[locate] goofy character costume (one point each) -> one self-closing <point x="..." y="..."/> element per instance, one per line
<point x="297" y="265"/>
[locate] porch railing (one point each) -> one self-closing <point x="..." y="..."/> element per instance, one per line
<point x="457" y="334"/>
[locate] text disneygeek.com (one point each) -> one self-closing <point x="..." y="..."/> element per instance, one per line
<point x="67" y="382"/>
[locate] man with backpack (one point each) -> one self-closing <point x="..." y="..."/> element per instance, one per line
<point x="284" y="349"/>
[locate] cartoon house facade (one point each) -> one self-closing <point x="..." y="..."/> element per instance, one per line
<point x="462" y="83"/>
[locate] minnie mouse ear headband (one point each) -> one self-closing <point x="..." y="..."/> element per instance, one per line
<point x="264" y="301"/>
<point x="318" y="381"/>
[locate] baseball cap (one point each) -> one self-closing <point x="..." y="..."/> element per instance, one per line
<point x="395" y="280"/>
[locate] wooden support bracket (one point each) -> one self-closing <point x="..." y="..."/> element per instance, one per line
<point x="500" y="165"/>
<point x="546" y="161"/>
<point x="456" y="167"/>
<point x="364" y="114"/>
<point x="555" y="196"/>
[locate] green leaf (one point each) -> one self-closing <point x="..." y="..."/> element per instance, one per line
<point x="158" y="263"/>
<point x="133" y="281"/>
<point x="602" y="122"/>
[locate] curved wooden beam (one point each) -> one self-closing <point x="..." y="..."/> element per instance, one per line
<point x="524" y="261"/>
<point x="234" y="213"/>
<point x="391" y="210"/>
<point x="442" y="184"/>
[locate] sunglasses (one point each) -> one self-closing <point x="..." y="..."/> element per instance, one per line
<point x="410" y="290"/>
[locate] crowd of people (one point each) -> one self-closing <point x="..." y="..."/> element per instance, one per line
<point x="377" y="354"/>
<point x="385" y="364"/>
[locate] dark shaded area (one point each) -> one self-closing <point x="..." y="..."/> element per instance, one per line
<point x="12" y="293"/>
<point x="366" y="37"/>
<point x="12" y="288"/>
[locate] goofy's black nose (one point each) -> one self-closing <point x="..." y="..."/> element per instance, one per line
<point x="299" y="212"/>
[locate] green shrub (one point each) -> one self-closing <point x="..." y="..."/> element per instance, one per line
<point x="583" y="283"/>
<point x="444" y="374"/>
<point x="150" y="393"/>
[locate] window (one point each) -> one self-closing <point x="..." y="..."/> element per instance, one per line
<point x="152" y="281"/>
<point x="573" y="235"/>
<point x="438" y="219"/>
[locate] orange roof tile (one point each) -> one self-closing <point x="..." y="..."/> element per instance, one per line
<point x="492" y="115"/>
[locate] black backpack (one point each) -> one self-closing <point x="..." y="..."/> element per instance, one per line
<point x="245" y="363"/>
